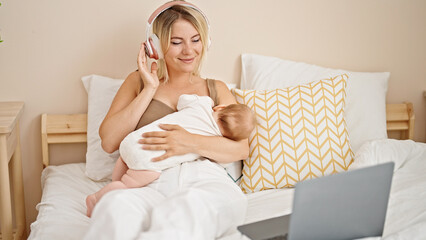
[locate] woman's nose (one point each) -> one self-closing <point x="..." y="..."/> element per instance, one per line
<point x="187" y="48"/>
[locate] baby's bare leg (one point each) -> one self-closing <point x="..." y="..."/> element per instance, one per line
<point x="131" y="179"/>
<point x="120" y="168"/>
<point x="92" y="199"/>
<point x="139" y="178"/>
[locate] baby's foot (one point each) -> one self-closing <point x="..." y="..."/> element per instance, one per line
<point x="90" y="203"/>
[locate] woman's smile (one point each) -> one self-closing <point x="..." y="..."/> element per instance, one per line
<point x="187" y="60"/>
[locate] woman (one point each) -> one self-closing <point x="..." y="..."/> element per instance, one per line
<point x="195" y="200"/>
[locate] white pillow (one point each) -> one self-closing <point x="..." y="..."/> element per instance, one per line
<point x="99" y="164"/>
<point x="101" y="91"/>
<point x="365" y="110"/>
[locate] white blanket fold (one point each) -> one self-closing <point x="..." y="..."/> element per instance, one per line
<point x="406" y="215"/>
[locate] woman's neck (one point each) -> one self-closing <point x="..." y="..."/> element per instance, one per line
<point x="180" y="78"/>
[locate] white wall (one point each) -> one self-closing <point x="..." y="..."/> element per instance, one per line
<point x="50" y="44"/>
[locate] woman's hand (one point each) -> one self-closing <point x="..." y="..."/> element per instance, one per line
<point x="149" y="78"/>
<point x="174" y="140"/>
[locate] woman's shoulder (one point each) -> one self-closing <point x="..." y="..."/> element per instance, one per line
<point x="219" y="84"/>
<point x="224" y="95"/>
<point x="134" y="77"/>
<point x="134" y="80"/>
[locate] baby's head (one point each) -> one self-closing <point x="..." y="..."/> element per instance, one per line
<point x="236" y="121"/>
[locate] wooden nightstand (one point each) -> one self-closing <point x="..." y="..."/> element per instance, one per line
<point x="10" y="154"/>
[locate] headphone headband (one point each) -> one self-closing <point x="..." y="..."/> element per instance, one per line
<point x="168" y="5"/>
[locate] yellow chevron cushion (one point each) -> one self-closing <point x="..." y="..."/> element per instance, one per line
<point x="301" y="134"/>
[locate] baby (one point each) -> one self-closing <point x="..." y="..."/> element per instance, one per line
<point x="196" y="115"/>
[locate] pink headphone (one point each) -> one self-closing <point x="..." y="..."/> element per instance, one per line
<point x="153" y="50"/>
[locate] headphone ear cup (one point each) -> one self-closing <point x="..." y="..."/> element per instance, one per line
<point x="156" y="47"/>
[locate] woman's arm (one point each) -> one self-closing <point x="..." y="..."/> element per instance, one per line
<point x="124" y="113"/>
<point x="177" y="141"/>
<point x="128" y="105"/>
<point x="221" y="149"/>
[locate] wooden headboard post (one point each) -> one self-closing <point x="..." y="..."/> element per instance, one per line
<point x="400" y="117"/>
<point x="62" y="129"/>
<point x="73" y="128"/>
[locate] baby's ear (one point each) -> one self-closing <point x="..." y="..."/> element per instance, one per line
<point x="218" y="108"/>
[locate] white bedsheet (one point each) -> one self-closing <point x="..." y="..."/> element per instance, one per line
<point x="62" y="208"/>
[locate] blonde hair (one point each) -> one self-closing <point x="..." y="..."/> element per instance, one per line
<point x="237" y="121"/>
<point x="162" y="27"/>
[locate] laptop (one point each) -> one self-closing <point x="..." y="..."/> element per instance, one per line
<point x="346" y="205"/>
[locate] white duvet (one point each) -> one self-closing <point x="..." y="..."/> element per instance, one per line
<point x="62" y="208"/>
<point x="406" y="215"/>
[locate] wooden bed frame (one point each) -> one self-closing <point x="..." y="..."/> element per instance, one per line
<point x="73" y="128"/>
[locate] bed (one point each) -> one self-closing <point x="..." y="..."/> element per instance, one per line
<point x="62" y="207"/>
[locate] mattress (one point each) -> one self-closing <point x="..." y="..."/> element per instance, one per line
<point x="62" y="210"/>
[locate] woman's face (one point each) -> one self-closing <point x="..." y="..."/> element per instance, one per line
<point x="185" y="48"/>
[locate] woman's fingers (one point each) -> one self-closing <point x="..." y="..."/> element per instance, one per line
<point x="170" y="127"/>
<point x="162" y="157"/>
<point x="162" y="134"/>
<point x="152" y="141"/>
<point x="158" y="134"/>
<point x="174" y="140"/>
<point x="155" y="147"/>
<point x="142" y="63"/>
<point x="154" y="69"/>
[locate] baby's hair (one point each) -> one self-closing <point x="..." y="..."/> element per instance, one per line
<point x="237" y="121"/>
